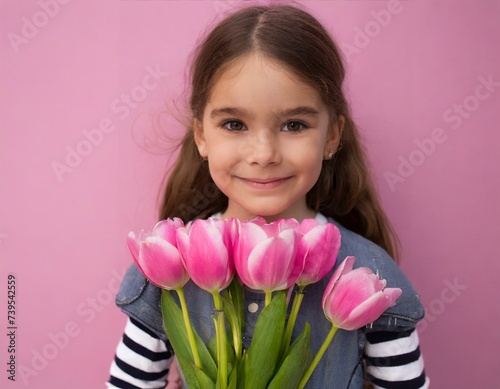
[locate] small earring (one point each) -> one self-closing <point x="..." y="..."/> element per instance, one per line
<point x="332" y="152"/>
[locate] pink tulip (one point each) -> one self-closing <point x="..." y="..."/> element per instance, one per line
<point x="319" y="244"/>
<point x="205" y="247"/>
<point x="157" y="256"/>
<point x="265" y="254"/>
<point x="354" y="298"/>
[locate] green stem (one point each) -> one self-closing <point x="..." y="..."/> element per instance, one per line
<point x="189" y="328"/>
<point x="297" y="301"/>
<point x="318" y="357"/>
<point x="220" y="332"/>
<point x="268" y="297"/>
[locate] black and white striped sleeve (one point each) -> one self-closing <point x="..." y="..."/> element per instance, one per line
<point x="393" y="360"/>
<point x="141" y="360"/>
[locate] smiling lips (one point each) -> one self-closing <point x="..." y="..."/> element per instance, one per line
<point x="269" y="183"/>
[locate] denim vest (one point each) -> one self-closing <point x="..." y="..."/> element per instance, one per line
<point x="341" y="366"/>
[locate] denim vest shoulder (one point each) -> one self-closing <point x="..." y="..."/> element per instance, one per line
<point x="408" y="310"/>
<point x="341" y="366"/>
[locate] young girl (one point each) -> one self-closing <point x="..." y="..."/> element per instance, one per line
<point x="271" y="135"/>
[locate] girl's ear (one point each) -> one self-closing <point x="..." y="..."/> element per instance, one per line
<point x="199" y="138"/>
<point x="334" y="137"/>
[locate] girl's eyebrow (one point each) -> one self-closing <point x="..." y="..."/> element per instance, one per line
<point x="301" y="110"/>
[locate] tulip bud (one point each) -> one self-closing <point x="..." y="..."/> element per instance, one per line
<point x="266" y="254"/>
<point x="157" y="256"/>
<point x="354" y="298"/>
<point x="319" y="244"/>
<point x="205" y="248"/>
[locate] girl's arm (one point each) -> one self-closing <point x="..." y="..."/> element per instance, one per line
<point x="393" y="360"/>
<point x="142" y="360"/>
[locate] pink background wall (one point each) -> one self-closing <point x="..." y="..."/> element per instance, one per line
<point x="415" y="76"/>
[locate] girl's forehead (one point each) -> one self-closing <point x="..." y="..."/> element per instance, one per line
<point x="255" y="60"/>
<point x="258" y="77"/>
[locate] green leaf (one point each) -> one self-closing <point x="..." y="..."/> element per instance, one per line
<point x="296" y="362"/>
<point x="212" y="347"/>
<point x="236" y="292"/>
<point x="230" y="351"/>
<point x="234" y="333"/>
<point x="233" y="379"/>
<point x="229" y="311"/>
<point x="204" y="381"/>
<point x="240" y="367"/>
<point x="187" y="367"/>
<point x="264" y="349"/>
<point x="177" y="335"/>
<point x="234" y="312"/>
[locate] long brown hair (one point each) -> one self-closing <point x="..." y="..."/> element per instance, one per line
<point x="298" y="41"/>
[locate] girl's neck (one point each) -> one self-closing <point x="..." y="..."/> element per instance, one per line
<point x="298" y="211"/>
<point x="309" y="215"/>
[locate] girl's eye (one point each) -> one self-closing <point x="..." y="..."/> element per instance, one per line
<point x="294" y="126"/>
<point x="233" y="125"/>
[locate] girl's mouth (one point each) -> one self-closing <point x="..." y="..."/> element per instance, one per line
<point x="264" y="183"/>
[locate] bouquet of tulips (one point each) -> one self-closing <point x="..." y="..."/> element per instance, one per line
<point x="223" y="257"/>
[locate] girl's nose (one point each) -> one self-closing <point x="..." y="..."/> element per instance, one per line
<point x="262" y="148"/>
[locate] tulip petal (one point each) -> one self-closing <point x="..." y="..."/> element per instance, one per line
<point x="354" y="288"/>
<point x="271" y="229"/>
<point x="209" y="244"/>
<point x="182" y="238"/>
<point x="133" y="245"/>
<point x="166" y="229"/>
<point x="265" y="254"/>
<point x="258" y="220"/>
<point x="250" y="235"/>
<point x="392" y="294"/>
<point x="344" y="267"/>
<point x="268" y="264"/>
<point x="371" y="309"/>
<point x="285" y="224"/>
<point x="231" y="233"/>
<point x="307" y="225"/>
<point x="292" y="237"/>
<point x="161" y="263"/>
<point x="205" y="254"/>
<point x="323" y="243"/>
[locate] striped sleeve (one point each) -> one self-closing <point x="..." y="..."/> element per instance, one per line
<point x="141" y="360"/>
<point x="393" y="360"/>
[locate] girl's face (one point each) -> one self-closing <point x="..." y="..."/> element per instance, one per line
<point x="265" y="133"/>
